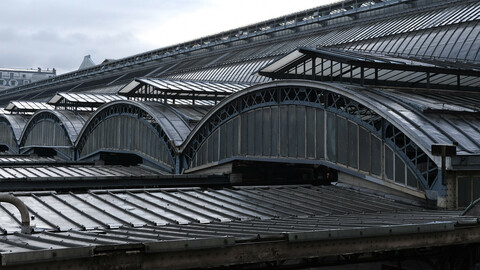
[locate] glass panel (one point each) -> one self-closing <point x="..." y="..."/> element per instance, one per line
<point x="267" y="132"/>
<point x="215" y="141"/>
<point x="411" y="179"/>
<point x="376" y="159"/>
<point x="419" y="45"/>
<point x="258" y="132"/>
<point x="342" y="140"/>
<point x="352" y="145"/>
<point x="235" y="141"/>
<point x="442" y="43"/>
<point x="210" y="147"/>
<point x="404" y="44"/>
<point x="331" y="137"/>
<point x="300" y="130"/>
<point x="388" y="163"/>
<point x="251" y="133"/>
<point x="244" y="134"/>
<point x="204" y="152"/>
<point x="451" y="42"/>
<point x="364" y="149"/>
<point x="399" y="170"/>
<point x="283" y="131"/>
<point x="460" y="42"/>
<point x="223" y="141"/>
<point x="466" y="48"/>
<point x="310" y="129"/>
<point x="275" y="132"/>
<point x="320" y="135"/>
<point x="229" y="139"/>
<point x="473" y="55"/>
<point x="292" y="131"/>
<point x="434" y="43"/>
<point x="411" y="44"/>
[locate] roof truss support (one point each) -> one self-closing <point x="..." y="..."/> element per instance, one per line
<point x="368" y="69"/>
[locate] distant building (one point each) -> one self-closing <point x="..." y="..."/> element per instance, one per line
<point x="12" y="77"/>
<point x="86" y="63"/>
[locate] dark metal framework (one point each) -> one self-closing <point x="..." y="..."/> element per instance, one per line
<point x="421" y="164"/>
<point x="8" y="136"/>
<point x="130" y="110"/>
<point x="81" y="101"/>
<point x="377" y="70"/>
<point x="26" y="107"/>
<point x="179" y="92"/>
<point x="13" y="126"/>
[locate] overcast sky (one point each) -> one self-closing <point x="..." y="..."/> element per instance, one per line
<point x="58" y="33"/>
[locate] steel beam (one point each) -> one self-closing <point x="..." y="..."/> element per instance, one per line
<point x="224" y="252"/>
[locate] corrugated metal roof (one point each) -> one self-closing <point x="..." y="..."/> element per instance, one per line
<point x="110" y="88"/>
<point x="239" y="72"/>
<point x="192" y="113"/>
<point x="22" y="160"/>
<point x="27" y="106"/>
<point x="163" y="238"/>
<point x="28" y="170"/>
<point x="174" y="125"/>
<point x="106" y="209"/>
<point x="83" y="99"/>
<point x="180" y="91"/>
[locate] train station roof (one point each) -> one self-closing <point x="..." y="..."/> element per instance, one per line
<point x="177" y="221"/>
<point x="20" y="106"/>
<point x="413" y="62"/>
<point x="179" y="92"/>
<point x="374" y="69"/>
<point x="81" y="101"/>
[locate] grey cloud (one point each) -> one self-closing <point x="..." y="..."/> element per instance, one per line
<point x="58" y="34"/>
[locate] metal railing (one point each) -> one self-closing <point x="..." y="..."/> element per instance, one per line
<point x="25" y="215"/>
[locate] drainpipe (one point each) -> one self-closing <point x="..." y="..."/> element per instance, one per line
<point x="25" y="215"/>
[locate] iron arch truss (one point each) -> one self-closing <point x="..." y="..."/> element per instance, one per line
<point x="11" y="130"/>
<point x="148" y="129"/>
<point x="310" y="121"/>
<point x="52" y="129"/>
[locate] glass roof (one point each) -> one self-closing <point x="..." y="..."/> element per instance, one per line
<point x="179" y="92"/>
<point x="373" y="69"/>
<point x="27" y="106"/>
<point x="81" y="101"/>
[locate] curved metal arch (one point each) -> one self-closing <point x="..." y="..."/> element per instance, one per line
<point x="68" y="121"/>
<point x="16" y="123"/>
<point x="166" y="122"/>
<point x="343" y="101"/>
